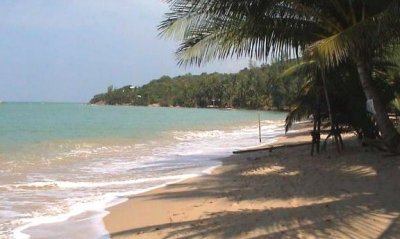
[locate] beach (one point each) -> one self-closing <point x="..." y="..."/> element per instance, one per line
<point x="169" y="119"/>
<point x="70" y="162"/>
<point x="285" y="193"/>
<point x="96" y="175"/>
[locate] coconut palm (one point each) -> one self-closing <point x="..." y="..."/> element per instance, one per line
<point x="343" y="105"/>
<point x="331" y="31"/>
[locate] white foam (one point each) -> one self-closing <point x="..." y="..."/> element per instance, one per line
<point x="210" y="170"/>
<point x="75" y="210"/>
<point x="72" y="185"/>
<point x="192" y="135"/>
<point x="194" y="148"/>
<point x="99" y="206"/>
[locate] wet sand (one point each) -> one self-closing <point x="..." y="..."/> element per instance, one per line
<point x="285" y="193"/>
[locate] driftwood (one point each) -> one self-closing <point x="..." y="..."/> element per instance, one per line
<point x="270" y="148"/>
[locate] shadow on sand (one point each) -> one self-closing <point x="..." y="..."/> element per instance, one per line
<point x="350" y="195"/>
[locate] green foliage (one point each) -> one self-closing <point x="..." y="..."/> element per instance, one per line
<point x="331" y="30"/>
<point x="345" y="93"/>
<point x="254" y="88"/>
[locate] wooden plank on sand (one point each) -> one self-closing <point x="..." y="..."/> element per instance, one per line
<point x="270" y="148"/>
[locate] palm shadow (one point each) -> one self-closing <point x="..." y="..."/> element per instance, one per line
<point x="359" y="188"/>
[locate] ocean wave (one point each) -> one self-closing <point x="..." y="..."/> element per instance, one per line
<point x="187" y="152"/>
<point x="71" y="185"/>
<point x="195" y="135"/>
<point x="97" y="204"/>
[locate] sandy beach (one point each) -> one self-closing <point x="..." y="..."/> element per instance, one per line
<point x="285" y="193"/>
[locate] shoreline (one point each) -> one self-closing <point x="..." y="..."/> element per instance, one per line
<point x="92" y="218"/>
<point x="297" y="135"/>
<point x="183" y="107"/>
<point x="280" y="138"/>
<point x="231" y="202"/>
<point x="96" y="216"/>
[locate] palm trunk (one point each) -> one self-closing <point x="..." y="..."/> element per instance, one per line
<point x="389" y="133"/>
<point x="328" y="103"/>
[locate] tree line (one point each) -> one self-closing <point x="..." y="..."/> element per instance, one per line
<point x="341" y="38"/>
<point x="255" y="87"/>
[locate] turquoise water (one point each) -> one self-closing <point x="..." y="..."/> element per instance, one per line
<point x="64" y="164"/>
<point x="31" y="123"/>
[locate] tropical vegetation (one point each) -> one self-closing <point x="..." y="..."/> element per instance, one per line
<point x="252" y="88"/>
<point x="346" y="36"/>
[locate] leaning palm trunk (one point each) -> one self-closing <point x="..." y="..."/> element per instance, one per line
<point x="330" y="31"/>
<point x="389" y="133"/>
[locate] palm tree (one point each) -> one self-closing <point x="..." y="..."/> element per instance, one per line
<point x="343" y="105"/>
<point x="331" y="31"/>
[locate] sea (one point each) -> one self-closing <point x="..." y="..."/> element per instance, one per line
<point x="63" y="164"/>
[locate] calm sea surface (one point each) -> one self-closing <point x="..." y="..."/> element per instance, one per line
<point x="61" y="164"/>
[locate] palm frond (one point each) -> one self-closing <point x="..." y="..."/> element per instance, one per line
<point x="303" y="68"/>
<point x="253" y="29"/>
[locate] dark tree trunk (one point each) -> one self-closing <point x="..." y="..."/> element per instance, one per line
<point x="389" y="133"/>
<point x="328" y="102"/>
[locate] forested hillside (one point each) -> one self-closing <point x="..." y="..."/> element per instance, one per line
<point x="251" y="88"/>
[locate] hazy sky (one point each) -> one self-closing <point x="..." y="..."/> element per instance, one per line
<point x="69" y="50"/>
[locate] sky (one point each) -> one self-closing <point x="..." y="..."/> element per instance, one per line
<point x="70" y="50"/>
